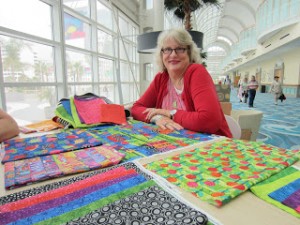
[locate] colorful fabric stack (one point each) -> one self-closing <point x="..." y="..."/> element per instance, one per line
<point x="88" y="110"/>
<point x="121" y="195"/>
<point x="219" y="171"/>
<point x="48" y="144"/>
<point x="22" y="172"/>
<point x="281" y="190"/>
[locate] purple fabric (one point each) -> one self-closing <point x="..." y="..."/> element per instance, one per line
<point x="26" y="212"/>
<point x="293" y="200"/>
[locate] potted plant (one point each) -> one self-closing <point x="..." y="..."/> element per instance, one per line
<point x="183" y="9"/>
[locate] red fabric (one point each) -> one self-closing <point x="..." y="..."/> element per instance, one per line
<point x="112" y="113"/>
<point x="203" y="110"/>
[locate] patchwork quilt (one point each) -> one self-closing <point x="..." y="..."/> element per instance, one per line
<point x="48" y="144"/>
<point x="34" y="159"/>
<point x="220" y="171"/>
<point x="281" y="190"/>
<point x="138" y="139"/>
<point x="119" y="195"/>
<point x="22" y="172"/>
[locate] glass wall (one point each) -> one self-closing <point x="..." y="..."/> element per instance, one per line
<point x="51" y="49"/>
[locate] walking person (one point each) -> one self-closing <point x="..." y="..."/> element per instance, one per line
<point x="243" y="90"/>
<point x="276" y="89"/>
<point x="252" y="87"/>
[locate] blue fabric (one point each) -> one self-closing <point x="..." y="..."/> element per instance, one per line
<point x="284" y="192"/>
<point x="87" y="199"/>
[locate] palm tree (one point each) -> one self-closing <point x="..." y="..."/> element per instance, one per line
<point x="11" y="59"/>
<point x="183" y="9"/>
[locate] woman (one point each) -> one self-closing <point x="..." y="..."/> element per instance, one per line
<point x="243" y="90"/>
<point x="183" y="95"/>
<point x="252" y="87"/>
<point x="8" y="126"/>
<point x="276" y="89"/>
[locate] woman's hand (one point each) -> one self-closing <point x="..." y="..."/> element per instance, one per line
<point x="167" y="123"/>
<point x="152" y="112"/>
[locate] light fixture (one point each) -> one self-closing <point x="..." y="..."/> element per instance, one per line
<point x="147" y="41"/>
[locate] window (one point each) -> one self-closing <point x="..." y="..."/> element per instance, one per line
<point x="45" y="59"/>
<point x="149" y="72"/>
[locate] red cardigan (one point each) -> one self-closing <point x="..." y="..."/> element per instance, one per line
<point x="203" y="110"/>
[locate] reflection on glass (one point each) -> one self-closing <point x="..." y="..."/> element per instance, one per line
<point x="129" y="93"/>
<point x="81" y="6"/>
<point x="106" y="70"/>
<point x="105" y="43"/>
<point x="31" y="104"/>
<point x="104" y="15"/>
<point x="108" y="91"/>
<point x="22" y="16"/>
<point x="125" y="72"/>
<point x="25" y="61"/>
<point x="78" y="67"/>
<point x="77" y="33"/>
<point x="79" y="89"/>
<point x="149" y="72"/>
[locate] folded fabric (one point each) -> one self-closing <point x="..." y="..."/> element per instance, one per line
<point x="45" y="125"/>
<point x="219" y="171"/>
<point x="118" y="195"/>
<point x="89" y="109"/>
<point x="293" y="201"/>
<point x="47" y="144"/>
<point x="27" y="171"/>
<point x="284" y="192"/>
<point x="262" y="190"/>
<point x="82" y="111"/>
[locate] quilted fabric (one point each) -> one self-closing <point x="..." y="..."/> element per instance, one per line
<point x="47" y="160"/>
<point x="109" y="197"/>
<point x="89" y="109"/>
<point x="137" y="139"/>
<point x="65" y="140"/>
<point x="286" y="191"/>
<point x="22" y="172"/>
<point x="263" y="189"/>
<point x="220" y="171"/>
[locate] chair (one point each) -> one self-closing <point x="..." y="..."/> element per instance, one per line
<point x="249" y="120"/>
<point x="234" y="127"/>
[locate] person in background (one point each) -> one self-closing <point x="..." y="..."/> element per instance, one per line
<point x="8" y="126"/>
<point x="276" y="89"/>
<point x="182" y="95"/>
<point x="252" y="87"/>
<point x="243" y="90"/>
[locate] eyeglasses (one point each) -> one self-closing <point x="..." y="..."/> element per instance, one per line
<point x="168" y="51"/>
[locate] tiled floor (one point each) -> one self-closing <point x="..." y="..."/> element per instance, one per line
<point x="280" y="125"/>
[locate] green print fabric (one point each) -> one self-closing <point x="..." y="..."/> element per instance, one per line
<point x="219" y="171"/>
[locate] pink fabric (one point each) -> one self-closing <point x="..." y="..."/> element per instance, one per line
<point x="203" y="110"/>
<point x="89" y="110"/>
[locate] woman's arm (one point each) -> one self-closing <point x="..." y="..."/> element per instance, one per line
<point x="152" y="98"/>
<point x="8" y="126"/>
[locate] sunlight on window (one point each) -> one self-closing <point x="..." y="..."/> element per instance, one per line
<point x="22" y="18"/>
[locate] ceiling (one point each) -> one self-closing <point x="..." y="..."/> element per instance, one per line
<point x="226" y="21"/>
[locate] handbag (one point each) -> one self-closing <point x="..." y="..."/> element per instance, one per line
<point x="282" y="97"/>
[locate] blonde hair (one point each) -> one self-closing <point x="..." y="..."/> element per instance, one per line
<point x="182" y="37"/>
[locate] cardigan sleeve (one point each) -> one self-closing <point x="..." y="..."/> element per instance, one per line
<point x="152" y="98"/>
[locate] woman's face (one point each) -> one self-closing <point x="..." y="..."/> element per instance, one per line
<point x="175" y="62"/>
